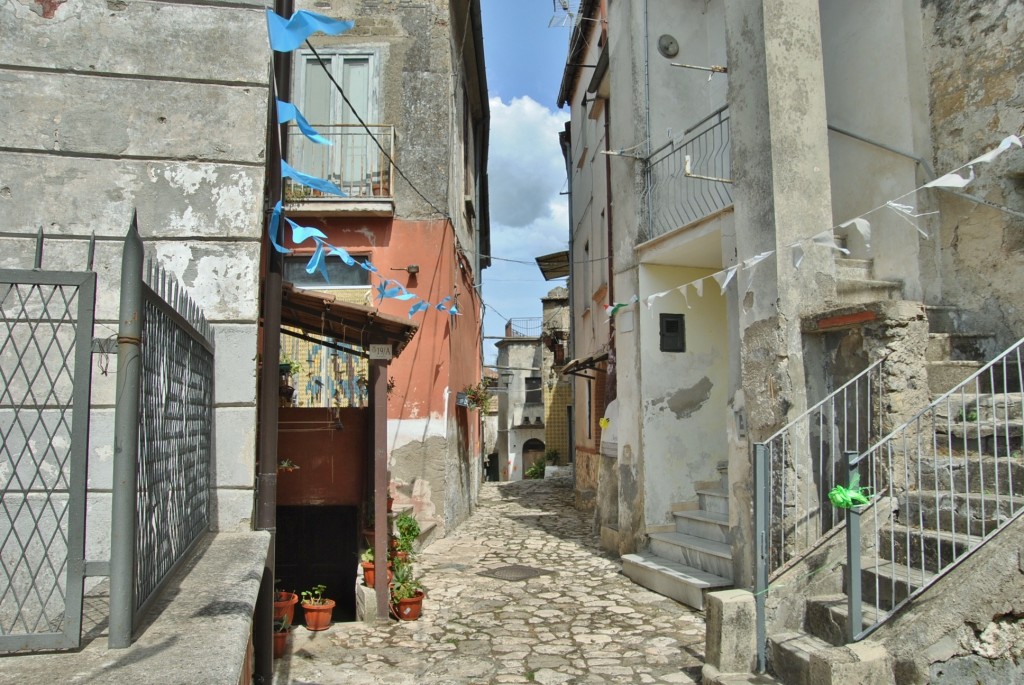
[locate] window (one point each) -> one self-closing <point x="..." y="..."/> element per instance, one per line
<point x="672" y="333"/>
<point x="339" y="274"/>
<point x="533" y="393"/>
<point x="352" y="160"/>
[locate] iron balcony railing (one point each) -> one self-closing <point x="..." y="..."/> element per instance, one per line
<point x="524" y="328"/>
<point x="355" y="161"/>
<point x="689" y="179"/>
<point x="941" y="485"/>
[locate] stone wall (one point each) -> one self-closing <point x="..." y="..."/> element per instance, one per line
<point x="976" y="70"/>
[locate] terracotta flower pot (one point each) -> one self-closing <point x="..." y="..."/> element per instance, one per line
<point x="408" y="609"/>
<point x="370" y="573"/>
<point x="285" y="607"/>
<point x="280" y="643"/>
<point x="318" y="616"/>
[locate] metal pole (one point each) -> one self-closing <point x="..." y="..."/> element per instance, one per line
<point x="126" y="444"/>
<point x="853" y="622"/>
<point x="379" y="383"/>
<point x="761" y="497"/>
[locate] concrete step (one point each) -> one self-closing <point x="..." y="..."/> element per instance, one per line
<point x="854" y="269"/>
<point x="968" y="407"/>
<point x="826" y="618"/>
<point x="972" y="473"/>
<point x="930" y="550"/>
<point x="708" y="555"/>
<point x="671" y="578"/>
<point x="970" y="513"/>
<point x="885" y="584"/>
<point x="713" y="501"/>
<point x="975" y="347"/>
<point x="864" y="291"/>
<point x="703" y="524"/>
<point x="943" y="376"/>
<point x="789" y="656"/>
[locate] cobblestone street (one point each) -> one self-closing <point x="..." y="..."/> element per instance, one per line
<point x="584" y="622"/>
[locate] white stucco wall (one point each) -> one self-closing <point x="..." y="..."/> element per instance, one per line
<point x="684" y="394"/>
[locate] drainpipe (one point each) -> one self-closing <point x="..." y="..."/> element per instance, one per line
<point x="266" y="483"/>
<point x="565" y="140"/>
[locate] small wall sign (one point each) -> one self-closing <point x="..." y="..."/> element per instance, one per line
<point x="381" y="352"/>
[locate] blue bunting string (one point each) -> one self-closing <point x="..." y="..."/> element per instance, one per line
<point x="286" y="36"/>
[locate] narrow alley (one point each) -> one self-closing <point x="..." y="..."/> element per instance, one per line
<point x="578" y="621"/>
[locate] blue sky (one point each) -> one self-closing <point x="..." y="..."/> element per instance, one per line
<point x="529" y="215"/>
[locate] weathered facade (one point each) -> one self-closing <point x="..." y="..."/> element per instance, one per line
<point x="413" y="74"/>
<point x="737" y="140"/>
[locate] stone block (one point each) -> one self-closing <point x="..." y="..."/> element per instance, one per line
<point x="234" y="457"/>
<point x="731" y="636"/>
<point x="235" y="364"/>
<point x="366" y="603"/>
<point x="861" y="662"/>
<point x="231" y="510"/>
<point x="101" y="449"/>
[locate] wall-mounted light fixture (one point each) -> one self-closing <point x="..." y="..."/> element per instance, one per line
<point x="412" y="269"/>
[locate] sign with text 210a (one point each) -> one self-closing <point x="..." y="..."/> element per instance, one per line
<point x="381" y="352"/>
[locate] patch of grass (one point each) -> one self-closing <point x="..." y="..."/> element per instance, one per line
<point x="531" y="675"/>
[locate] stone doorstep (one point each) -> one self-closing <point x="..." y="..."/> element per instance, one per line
<point x="672" y="579"/>
<point x="205" y="613"/>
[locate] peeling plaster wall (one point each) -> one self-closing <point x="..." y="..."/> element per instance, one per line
<point x="976" y="69"/>
<point x="684" y="402"/>
<point x="130" y="114"/>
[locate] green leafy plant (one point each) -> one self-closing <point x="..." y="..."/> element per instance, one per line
<point x="404" y="585"/>
<point x="408" y="530"/>
<point x="367" y="555"/>
<point x="536" y="470"/>
<point x="551" y="455"/>
<point x="315" y="596"/>
<point x="287" y="465"/>
<point x="282" y="624"/>
<point x="478" y="395"/>
<point x="289" y="366"/>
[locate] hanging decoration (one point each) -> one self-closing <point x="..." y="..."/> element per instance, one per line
<point x="286" y="35"/>
<point x="826" y="238"/>
<point x="847" y="498"/>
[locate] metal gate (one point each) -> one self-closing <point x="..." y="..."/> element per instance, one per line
<point x="46" y="322"/>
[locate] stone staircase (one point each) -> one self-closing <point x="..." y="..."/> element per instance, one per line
<point x="856" y="283"/>
<point x="963" y="482"/>
<point x="693" y="559"/>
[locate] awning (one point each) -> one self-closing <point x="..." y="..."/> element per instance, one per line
<point x="554" y="265"/>
<point x="575" y="366"/>
<point x="321" y="316"/>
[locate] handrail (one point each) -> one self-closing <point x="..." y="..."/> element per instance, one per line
<point x="942" y="484"/>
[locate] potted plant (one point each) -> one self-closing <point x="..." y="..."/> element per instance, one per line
<point x="408" y="531"/>
<point x="477" y="396"/>
<point x="284" y="605"/>
<point x="406" y="593"/>
<point x="369" y="569"/>
<point x="317" y="608"/>
<point x="287" y="367"/>
<point x="282" y="627"/>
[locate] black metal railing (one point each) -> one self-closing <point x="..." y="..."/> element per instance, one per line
<point x="355" y="161"/>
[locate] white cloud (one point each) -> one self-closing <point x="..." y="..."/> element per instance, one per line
<point x="526" y="167"/>
<point x="529" y="216"/>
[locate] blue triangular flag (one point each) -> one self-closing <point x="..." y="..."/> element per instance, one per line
<point x="288" y="34"/>
<point x="316" y="262"/>
<point x="440" y="305"/>
<point x="345" y="256"/>
<point x="286" y="112"/>
<point x="311" y="181"/>
<point x="275" y="228"/>
<point x="301" y="233"/>
<point x="420" y="306"/>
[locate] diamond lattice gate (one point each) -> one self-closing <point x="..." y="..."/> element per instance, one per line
<point x="46" y="320"/>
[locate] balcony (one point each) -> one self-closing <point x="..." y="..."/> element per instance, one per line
<point x="524" y="327"/>
<point x="353" y="162"/>
<point x="680" y="196"/>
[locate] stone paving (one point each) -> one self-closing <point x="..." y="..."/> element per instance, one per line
<point x="584" y="623"/>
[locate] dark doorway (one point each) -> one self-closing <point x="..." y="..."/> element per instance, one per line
<point x="319" y="545"/>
